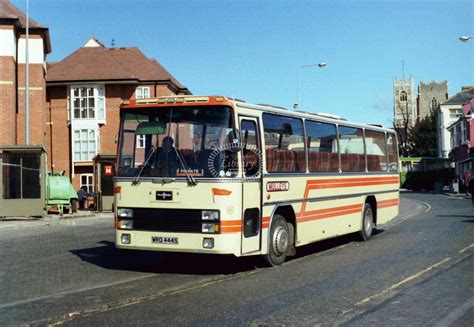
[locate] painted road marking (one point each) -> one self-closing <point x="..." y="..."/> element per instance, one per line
<point x="467" y="248"/>
<point x="402" y="282"/>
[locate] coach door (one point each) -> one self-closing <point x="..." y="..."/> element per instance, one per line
<point x="251" y="186"/>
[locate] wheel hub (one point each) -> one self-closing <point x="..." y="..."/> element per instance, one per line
<point x="280" y="240"/>
<point x="368" y="222"/>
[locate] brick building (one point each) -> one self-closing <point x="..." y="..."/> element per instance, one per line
<point x="12" y="76"/>
<point x="23" y="166"/>
<point x="84" y="92"/>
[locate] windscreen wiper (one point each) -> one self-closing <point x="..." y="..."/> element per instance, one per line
<point x="137" y="176"/>
<point x="191" y="180"/>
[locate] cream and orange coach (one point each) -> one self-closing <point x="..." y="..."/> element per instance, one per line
<point x="210" y="174"/>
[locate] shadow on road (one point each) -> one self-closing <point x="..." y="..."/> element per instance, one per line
<point x="105" y="255"/>
<point x="456" y="216"/>
<point x="325" y="245"/>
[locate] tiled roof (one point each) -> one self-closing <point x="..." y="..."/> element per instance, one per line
<point x="9" y="11"/>
<point x="12" y="15"/>
<point x="461" y="97"/>
<point x="109" y="64"/>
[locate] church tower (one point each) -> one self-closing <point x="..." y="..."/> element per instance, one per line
<point x="430" y="95"/>
<point x="404" y="103"/>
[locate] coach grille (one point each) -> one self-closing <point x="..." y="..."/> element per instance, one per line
<point x="167" y="220"/>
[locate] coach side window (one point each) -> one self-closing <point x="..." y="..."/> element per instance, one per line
<point x="351" y="142"/>
<point x="392" y="149"/>
<point x="376" y="151"/>
<point x="284" y="144"/>
<point x="322" y="147"/>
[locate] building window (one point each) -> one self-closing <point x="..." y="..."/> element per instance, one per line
<point x="88" y="102"/>
<point x="87" y="181"/>
<point x="403" y="96"/>
<point x="141" y="141"/>
<point x="85" y="144"/>
<point x="454" y="114"/>
<point x="434" y="104"/>
<point x="142" y="92"/>
<point x="21" y="175"/>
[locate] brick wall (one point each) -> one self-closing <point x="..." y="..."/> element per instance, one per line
<point x="38" y="119"/>
<point x="156" y="90"/>
<point x="7" y="100"/>
<point x="163" y="90"/>
<point x="58" y="131"/>
<point x="109" y="132"/>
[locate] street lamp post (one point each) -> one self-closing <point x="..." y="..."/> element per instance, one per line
<point x="465" y="38"/>
<point x="27" y="78"/>
<point x="297" y="103"/>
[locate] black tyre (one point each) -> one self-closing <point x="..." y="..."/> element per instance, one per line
<point x="367" y="223"/>
<point x="74" y="205"/>
<point x="279" y="241"/>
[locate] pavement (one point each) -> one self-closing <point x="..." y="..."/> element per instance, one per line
<point x="50" y="219"/>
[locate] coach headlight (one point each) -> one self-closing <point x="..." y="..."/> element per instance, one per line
<point x="212" y="215"/>
<point x="125" y="213"/>
<point x="211" y="228"/>
<point x="125" y="224"/>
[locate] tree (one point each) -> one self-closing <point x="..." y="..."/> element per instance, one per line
<point x="422" y="138"/>
<point x="402" y="127"/>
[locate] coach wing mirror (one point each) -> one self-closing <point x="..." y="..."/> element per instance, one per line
<point x="151" y="128"/>
<point x="235" y="144"/>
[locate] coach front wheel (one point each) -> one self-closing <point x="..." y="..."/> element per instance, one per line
<point x="279" y="241"/>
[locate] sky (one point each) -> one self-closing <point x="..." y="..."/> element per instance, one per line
<point x="253" y="50"/>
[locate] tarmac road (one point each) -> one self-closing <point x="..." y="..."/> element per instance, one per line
<point x="416" y="270"/>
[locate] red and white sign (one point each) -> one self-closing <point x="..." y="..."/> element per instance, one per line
<point x="108" y="171"/>
<point x="278" y="186"/>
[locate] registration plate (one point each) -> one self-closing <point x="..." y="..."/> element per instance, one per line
<point x="164" y="240"/>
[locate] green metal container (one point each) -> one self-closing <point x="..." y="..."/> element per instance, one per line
<point x="60" y="193"/>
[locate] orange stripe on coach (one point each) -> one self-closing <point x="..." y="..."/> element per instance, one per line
<point x="231" y="226"/>
<point x="388" y="203"/>
<point x="387" y="180"/>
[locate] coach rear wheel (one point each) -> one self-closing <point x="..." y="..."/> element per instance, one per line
<point x="367" y="223"/>
<point x="279" y="241"/>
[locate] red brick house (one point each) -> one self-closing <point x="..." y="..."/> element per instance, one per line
<point x="12" y="76"/>
<point x="22" y="177"/>
<point x="84" y="92"/>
